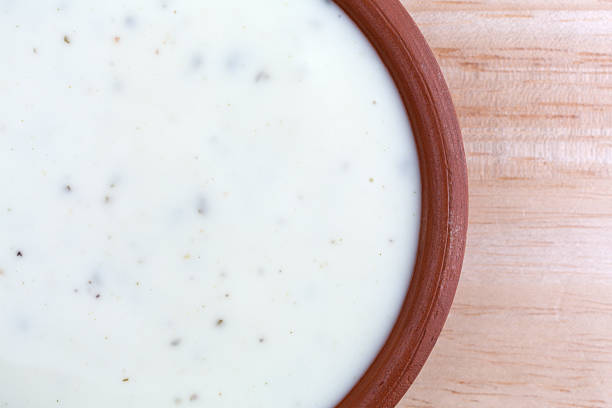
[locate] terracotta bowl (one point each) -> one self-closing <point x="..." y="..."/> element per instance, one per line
<point x="444" y="211"/>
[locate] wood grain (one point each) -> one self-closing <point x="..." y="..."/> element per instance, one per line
<point x="531" y="325"/>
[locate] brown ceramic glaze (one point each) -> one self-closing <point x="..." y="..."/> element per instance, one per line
<point x="444" y="204"/>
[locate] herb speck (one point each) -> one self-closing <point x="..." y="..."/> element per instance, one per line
<point x="202" y="206"/>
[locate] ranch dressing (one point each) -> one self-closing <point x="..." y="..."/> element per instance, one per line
<point x="203" y="203"/>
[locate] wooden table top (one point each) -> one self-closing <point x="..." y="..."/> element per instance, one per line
<point x="531" y="325"/>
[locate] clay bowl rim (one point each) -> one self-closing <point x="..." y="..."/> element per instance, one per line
<point x="444" y="206"/>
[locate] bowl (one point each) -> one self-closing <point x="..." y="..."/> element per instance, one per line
<point x="444" y="207"/>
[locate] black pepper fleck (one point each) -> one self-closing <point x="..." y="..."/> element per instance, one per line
<point x="19" y="253"/>
<point x="196" y="61"/>
<point x="130" y="21"/>
<point x="175" y="342"/>
<point x="98" y="296"/>
<point x="262" y="76"/>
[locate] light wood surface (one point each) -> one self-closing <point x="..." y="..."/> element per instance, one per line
<point x="531" y="325"/>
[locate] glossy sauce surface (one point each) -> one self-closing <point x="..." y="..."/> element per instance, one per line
<point x="202" y="203"/>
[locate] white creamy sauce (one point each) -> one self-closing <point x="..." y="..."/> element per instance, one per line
<point x="202" y="203"/>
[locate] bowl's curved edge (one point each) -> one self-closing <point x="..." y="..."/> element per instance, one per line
<point x="444" y="212"/>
